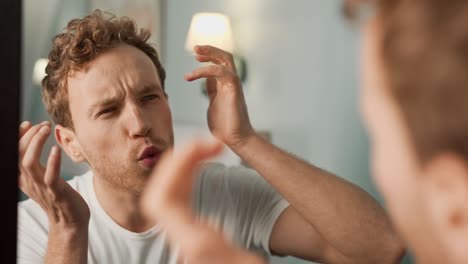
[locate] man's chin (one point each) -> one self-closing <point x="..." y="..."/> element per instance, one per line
<point x="138" y="180"/>
<point x="139" y="185"/>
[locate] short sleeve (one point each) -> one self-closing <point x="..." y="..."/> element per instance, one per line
<point x="242" y="203"/>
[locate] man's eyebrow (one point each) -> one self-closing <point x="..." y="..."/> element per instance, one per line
<point x="150" y="87"/>
<point x="101" y="103"/>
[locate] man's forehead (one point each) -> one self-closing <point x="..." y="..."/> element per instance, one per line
<point x="112" y="73"/>
<point x="100" y="79"/>
<point x="100" y="85"/>
<point x="89" y="82"/>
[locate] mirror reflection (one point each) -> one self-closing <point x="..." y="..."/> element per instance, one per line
<point x="275" y="83"/>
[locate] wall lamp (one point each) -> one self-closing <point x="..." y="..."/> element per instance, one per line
<point x="39" y="71"/>
<point x="215" y="29"/>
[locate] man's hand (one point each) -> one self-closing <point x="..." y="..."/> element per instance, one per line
<point x="227" y="115"/>
<point x="65" y="208"/>
<point x="167" y="199"/>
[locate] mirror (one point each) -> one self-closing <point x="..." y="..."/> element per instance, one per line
<point x="302" y="74"/>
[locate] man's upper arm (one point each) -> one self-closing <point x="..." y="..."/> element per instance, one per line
<point x="242" y="198"/>
<point x="292" y="235"/>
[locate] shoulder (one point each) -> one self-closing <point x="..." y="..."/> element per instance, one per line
<point x="80" y="182"/>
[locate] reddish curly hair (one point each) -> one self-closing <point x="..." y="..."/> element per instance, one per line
<point x="82" y="41"/>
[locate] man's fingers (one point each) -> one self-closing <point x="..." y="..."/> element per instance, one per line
<point x="27" y="137"/>
<point x="207" y="71"/>
<point x="168" y="195"/>
<point x="216" y="55"/>
<point x="33" y="152"/>
<point x="52" y="174"/>
<point x="24" y="127"/>
<point x="229" y="65"/>
<point x="200" y="243"/>
<point x="211" y="51"/>
<point x="167" y="198"/>
<point x="204" y="58"/>
<point x="172" y="181"/>
<point x="150" y="198"/>
<point x="174" y="170"/>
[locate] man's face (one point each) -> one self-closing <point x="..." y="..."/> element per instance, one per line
<point x="121" y="118"/>
<point x="394" y="165"/>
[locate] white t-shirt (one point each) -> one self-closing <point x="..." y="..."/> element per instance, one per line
<point x="238" y="201"/>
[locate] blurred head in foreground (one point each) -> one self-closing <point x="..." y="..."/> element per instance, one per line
<point x="414" y="100"/>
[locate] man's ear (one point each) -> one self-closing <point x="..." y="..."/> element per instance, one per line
<point x="445" y="193"/>
<point x="67" y="140"/>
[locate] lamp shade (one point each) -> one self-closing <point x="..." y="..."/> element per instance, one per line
<point x="39" y="70"/>
<point x="210" y="29"/>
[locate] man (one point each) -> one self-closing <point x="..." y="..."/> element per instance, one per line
<point x="414" y="101"/>
<point x="105" y="91"/>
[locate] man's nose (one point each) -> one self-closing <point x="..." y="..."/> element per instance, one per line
<point x="138" y="126"/>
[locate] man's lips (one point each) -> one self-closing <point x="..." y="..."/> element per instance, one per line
<point x="149" y="156"/>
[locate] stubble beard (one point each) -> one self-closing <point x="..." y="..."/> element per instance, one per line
<point x="127" y="176"/>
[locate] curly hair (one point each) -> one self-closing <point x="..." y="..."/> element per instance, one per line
<point x="82" y="41"/>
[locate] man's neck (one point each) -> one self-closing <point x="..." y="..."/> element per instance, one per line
<point x="121" y="205"/>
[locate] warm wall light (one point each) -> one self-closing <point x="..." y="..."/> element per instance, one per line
<point x="39" y="71"/>
<point x="210" y="29"/>
<point x="214" y="29"/>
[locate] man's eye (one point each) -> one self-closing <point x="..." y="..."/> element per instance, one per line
<point x="149" y="97"/>
<point x="107" y="110"/>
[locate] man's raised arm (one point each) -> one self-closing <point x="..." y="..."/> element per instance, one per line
<point x="330" y="219"/>
<point x="67" y="212"/>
